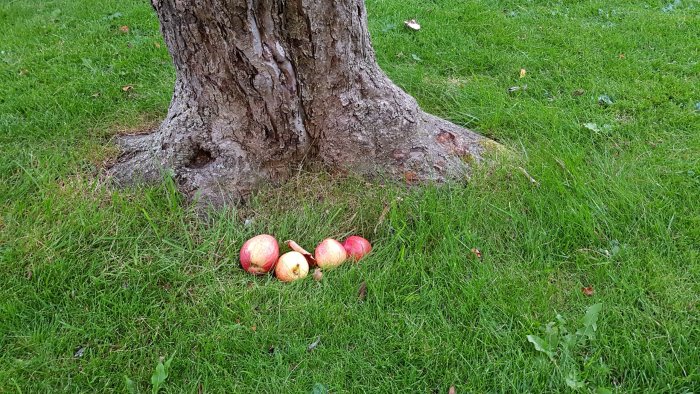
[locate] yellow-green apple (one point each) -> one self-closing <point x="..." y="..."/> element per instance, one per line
<point x="291" y="266"/>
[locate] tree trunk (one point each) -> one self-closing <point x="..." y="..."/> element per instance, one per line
<point x="265" y="85"/>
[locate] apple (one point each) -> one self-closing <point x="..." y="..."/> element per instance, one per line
<point x="291" y="266"/>
<point x="259" y="254"/>
<point x="357" y="247"/>
<point x="330" y="253"/>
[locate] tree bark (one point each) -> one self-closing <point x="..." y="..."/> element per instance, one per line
<point x="265" y="85"/>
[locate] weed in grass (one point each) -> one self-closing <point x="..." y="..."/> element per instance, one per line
<point x="562" y="346"/>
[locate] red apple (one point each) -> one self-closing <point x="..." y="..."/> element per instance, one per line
<point x="330" y="253"/>
<point x="291" y="266"/>
<point x="357" y="247"/>
<point x="259" y="254"/>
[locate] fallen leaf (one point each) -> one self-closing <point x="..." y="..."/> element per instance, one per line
<point x="621" y="56"/>
<point x="597" y="129"/>
<point x="605" y="100"/>
<point x="587" y="291"/>
<point x="29" y="274"/>
<point x="452" y="390"/>
<point x="157" y="45"/>
<point x="578" y="92"/>
<point x="412" y="24"/>
<point x="313" y="345"/>
<point x="416" y="58"/>
<point x="297" y="248"/>
<point x="671" y="6"/>
<point x="592" y="127"/>
<point x="476" y="253"/>
<point x="79" y="352"/>
<point x="514" y="89"/>
<point x="522" y="72"/>
<point x="96" y="94"/>
<point x="23" y="71"/>
<point x="446" y="137"/>
<point x="200" y="388"/>
<point x="124" y="29"/>
<point x="254" y="328"/>
<point x="126" y="88"/>
<point x="318" y="275"/>
<point x="113" y="16"/>
<point x="319" y="389"/>
<point x="362" y="292"/>
<point x="410" y="176"/>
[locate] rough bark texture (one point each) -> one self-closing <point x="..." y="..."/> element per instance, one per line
<point x="264" y="85"/>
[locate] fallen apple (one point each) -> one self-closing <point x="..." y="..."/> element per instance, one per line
<point x="357" y="247"/>
<point x="330" y="253"/>
<point x="259" y="254"/>
<point x="291" y="266"/>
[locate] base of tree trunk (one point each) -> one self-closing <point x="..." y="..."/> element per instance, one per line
<point x="438" y="151"/>
<point x="264" y="87"/>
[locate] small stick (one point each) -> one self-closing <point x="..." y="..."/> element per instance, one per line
<point x="532" y="180"/>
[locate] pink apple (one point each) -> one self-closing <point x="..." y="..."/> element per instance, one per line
<point x="291" y="266"/>
<point x="259" y="254"/>
<point x="330" y="253"/>
<point x="357" y="247"/>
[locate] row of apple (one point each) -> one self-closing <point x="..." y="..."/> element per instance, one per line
<point x="261" y="254"/>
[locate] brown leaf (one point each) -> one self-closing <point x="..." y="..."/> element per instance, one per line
<point x="452" y="390"/>
<point x="200" y="388"/>
<point x="126" y="88"/>
<point x="362" y="292"/>
<point x="445" y="137"/>
<point x="621" y="56"/>
<point x="157" y="45"/>
<point x="318" y="275"/>
<point x="124" y="29"/>
<point x="23" y="71"/>
<point x="578" y="92"/>
<point x="410" y="176"/>
<point x="254" y="328"/>
<point x="522" y="72"/>
<point x="587" y="291"/>
<point x="295" y="247"/>
<point x="476" y="253"/>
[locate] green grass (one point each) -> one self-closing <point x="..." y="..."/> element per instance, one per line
<point x="131" y="276"/>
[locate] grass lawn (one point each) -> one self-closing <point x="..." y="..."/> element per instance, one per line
<point x="97" y="284"/>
